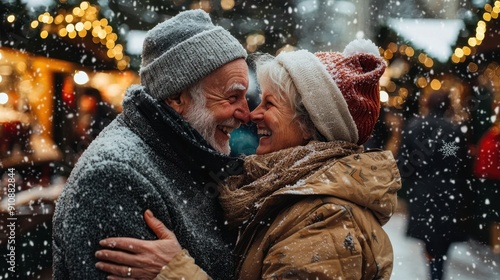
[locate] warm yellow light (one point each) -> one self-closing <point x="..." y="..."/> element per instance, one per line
<point x="111" y="53"/>
<point x="251" y="40"/>
<point x="122" y="65"/>
<point x="112" y="36"/>
<point x="118" y="56"/>
<point x="87" y="25"/>
<point x="429" y="62"/>
<point x="96" y="29"/>
<point x="388" y="54"/>
<point x="497" y="3"/>
<point x="82" y="33"/>
<point x="63" y="32"/>
<point x="409" y="51"/>
<point x="118" y="48"/>
<point x="44" y="34"/>
<point x="261" y="39"/>
<point x="494" y="15"/>
<point x="459" y="52"/>
<point x="79" y="26"/>
<point x="92" y="12"/>
<point x="421" y="82"/>
<point x="393" y="47"/>
<point x="72" y="34"/>
<point x="402" y="48"/>
<point x="251" y="48"/>
<point x="34" y="24"/>
<point x="45" y="18"/>
<point x="481" y="29"/>
<point x="76" y="11"/>
<point x="104" y="22"/>
<point x="435" y="84"/>
<point x="11" y="18"/>
<point x="487" y="16"/>
<point x="467" y="50"/>
<point x="481" y="23"/>
<point x="84" y="5"/>
<point x="68" y="18"/>
<point x="399" y="100"/>
<point x="59" y="19"/>
<point x="102" y="34"/>
<point x="227" y="4"/>
<point x="70" y="27"/>
<point x="421" y="58"/>
<point x="110" y="44"/>
<point x="487" y="7"/>
<point x="480" y="36"/>
<point x="472" y="42"/>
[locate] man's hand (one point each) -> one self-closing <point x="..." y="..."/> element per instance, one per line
<point x="130" y="258"/>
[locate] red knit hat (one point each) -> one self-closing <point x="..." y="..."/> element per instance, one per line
<point x="340" y="91"/>
<point x="357" y="75"/>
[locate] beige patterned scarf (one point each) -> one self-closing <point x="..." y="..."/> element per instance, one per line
<point x="264" y="174"/>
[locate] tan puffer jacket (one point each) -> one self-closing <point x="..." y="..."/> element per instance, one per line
<point x="327" y="227"/>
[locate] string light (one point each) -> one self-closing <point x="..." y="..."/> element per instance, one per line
<point x="82" y="21"/>
<point x="490" y="12"/>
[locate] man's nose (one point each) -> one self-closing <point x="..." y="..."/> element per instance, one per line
<point x="242" y="113"/>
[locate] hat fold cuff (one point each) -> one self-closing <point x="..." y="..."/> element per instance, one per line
<point x="321" y="97"/>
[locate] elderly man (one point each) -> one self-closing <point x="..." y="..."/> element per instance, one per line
<point x="165" y="152"/>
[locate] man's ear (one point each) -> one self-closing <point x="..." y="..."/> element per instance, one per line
<point x="180" y="103"/>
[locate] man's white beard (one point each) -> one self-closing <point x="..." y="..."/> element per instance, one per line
<point x="204" y="122"/>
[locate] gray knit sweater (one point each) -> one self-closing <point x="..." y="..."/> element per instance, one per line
<point x="149" y="160"/>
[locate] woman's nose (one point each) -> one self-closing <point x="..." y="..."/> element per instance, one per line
<point x="257" y="114"/>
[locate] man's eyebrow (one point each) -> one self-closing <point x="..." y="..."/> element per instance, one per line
<point x="237" y="86"/>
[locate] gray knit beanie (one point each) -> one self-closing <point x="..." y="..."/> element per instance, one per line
<point x="180" y="51"/>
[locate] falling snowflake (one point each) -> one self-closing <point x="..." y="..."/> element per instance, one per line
<point x="449" y="149"/>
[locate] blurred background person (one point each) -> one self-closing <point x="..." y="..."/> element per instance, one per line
<point x="486" y="222"/>
<point x="433" y="160"/>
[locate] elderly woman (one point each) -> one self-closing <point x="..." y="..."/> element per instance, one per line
<point x="311" y="203"/>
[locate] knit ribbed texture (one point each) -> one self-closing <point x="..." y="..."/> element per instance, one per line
<point x="357" y="77"/>
<point x="179" y="52"/>
<point x="321" y="97"/>
<point x="340" y="91"/>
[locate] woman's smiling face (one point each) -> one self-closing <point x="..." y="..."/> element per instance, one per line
<point x="276" y="123"/>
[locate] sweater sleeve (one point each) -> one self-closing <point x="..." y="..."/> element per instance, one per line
<point x="320" y="244"/>
<point x="105" y="200"/>
<point x="182" y="267"/>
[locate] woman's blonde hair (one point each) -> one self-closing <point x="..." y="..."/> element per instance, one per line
<point x="273" y="76"/>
